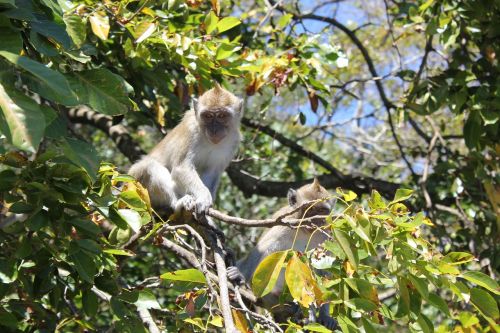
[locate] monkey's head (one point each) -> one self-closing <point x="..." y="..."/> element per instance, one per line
<point x="218" y="113"/>
<point x="311" y="192"/>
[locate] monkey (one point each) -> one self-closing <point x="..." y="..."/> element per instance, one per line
<point x="183" y="170"/>
<point x="281" y="238"/>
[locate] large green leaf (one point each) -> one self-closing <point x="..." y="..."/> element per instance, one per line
<point x="102" y="90"/>
<point x="485" y="303"/>
<point x="53" y="80"/>
<point x="482" y="280"/>
<point x="21" y="120"/>
<point x="82" y="154"/>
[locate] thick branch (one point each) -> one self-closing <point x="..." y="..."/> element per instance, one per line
<point x="117" y="133"/>
<point x="250" y="184"/>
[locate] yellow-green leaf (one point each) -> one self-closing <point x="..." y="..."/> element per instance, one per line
<point x="301" y="283"/>
<point x="267" y="273"/>
<point x="211" y="21"/>
<point x="227" y="23"/>
<point x="143" y="31"/>
<point x="187" y="275"/>
<point x="100" y="25"/>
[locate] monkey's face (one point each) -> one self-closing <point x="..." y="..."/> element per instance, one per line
<point x="311" y="192"/>
<point x="216" y="124"/>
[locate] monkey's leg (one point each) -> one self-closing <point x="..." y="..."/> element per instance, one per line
<point x="157" y="179"/>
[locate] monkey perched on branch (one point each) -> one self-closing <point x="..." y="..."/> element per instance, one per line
<point x="281" y="238"/>
<point x="184" y="169"/>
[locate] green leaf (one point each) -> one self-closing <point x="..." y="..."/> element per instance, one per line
<point x="102" y="90"/>
<point x="86" y="226"/>
<point x="284" y="20"/>
<point x="376" y="201"/>
<point x="346" y="324"/>
<point x="482" y="280"/>
<point x="485" y="303"/>
<point x="438" y="302"/>
<point x="226" y="50"/>
<point x="267" y="273"/>
<point x="132" y="218"/>
<point x="21" y="120"/>
<point x="211" y="21"/>
<point x="8" y="3"/>
<point x="458" y="258"/>
<point x="8" y="319"/>
<point x="361" y="304"/>
<point x="54" y="80"/>
<point x="468" y="319"/>
<point x="420" y="285"/>
<point x="90" y="302"/>
<point x="315" y="327"/>
<point x="472" y="130"/>
<point x="187" y="275"/>
<point x="8" y="270"/>
<point x="52" y="31"/>
<point x="401" y="195"/>
<point x="344" y="240"/>
<point x="119" y="252"/>
<point x="84" y="265"/>
<point x="89" y="245"/>
<point x="367" y="325"/>
<point x="425" y="324"/>
<point x="11" y="41"/>
<point x="147" y="300"/>
<point x="76" y="28"/>
<point x="133" y="200"/>
<point x="227" y="23"/>
<point x="82" y="154"/>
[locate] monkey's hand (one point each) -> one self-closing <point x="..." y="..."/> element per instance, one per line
<point x="325" y="319"/>
<point x="234" y="275"/>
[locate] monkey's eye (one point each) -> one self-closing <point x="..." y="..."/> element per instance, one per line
<point x="208" y="115"/>
<point x="221" y="115"/>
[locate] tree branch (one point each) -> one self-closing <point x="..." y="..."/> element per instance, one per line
<point x="371" y="67"/>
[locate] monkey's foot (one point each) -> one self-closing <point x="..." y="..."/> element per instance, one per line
<point x="186" y="203"/>
<point x="234" y="275"/>
<point x="202" y="204"/>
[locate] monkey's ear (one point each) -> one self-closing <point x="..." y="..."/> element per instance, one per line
<point x="316" y="183"/>
<point x="239" y="107"/>
<point x="292" y="197"/>
<point x="194" y="104"/>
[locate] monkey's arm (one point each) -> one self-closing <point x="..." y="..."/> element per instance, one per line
<point x="189" y="183"/>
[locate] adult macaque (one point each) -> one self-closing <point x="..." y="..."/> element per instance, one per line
<point x="184" y="169"/>
<point x="281" y="238"/>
